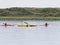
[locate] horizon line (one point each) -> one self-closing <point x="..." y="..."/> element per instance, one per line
<point x="27" y="7"/>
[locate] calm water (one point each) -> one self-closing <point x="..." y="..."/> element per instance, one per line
<point x="39" y="35"/>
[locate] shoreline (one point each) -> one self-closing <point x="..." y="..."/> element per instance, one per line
<point x="29" y="18"/>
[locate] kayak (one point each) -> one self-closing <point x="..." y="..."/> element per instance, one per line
<point x="27" y="25"/>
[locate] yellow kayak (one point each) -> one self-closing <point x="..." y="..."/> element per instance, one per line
<point x="27" y="25"/>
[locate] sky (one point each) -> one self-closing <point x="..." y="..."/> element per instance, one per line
<point x="29" y="3"/>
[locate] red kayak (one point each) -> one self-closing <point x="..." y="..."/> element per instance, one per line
<point x="46" y="25"/>
<point x="5" y="24"/>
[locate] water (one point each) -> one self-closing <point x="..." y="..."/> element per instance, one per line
<point x="40" y="35"/>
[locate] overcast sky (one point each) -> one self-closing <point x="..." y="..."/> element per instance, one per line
<point x="29" y="3"/>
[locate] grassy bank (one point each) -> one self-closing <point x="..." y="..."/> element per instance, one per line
<point x="17" y="13"/>
<point x="29" y="18"/>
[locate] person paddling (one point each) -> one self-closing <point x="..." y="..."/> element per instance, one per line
<point x="46" y="24"/>
<point x="27" y="25"/>
<point x="5" y="24"/>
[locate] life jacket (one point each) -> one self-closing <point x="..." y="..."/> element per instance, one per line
<point x="27" y="25"/>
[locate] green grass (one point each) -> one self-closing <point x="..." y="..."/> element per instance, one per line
<point x="29" y="18"/>
<point x="17" y="13"/>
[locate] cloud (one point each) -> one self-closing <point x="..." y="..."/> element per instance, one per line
<point x="29" y="3"/>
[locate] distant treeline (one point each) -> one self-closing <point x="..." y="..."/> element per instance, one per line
<point x="42" y="12"/>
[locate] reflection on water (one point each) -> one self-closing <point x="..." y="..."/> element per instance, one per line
<point x="40" y="35"/>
